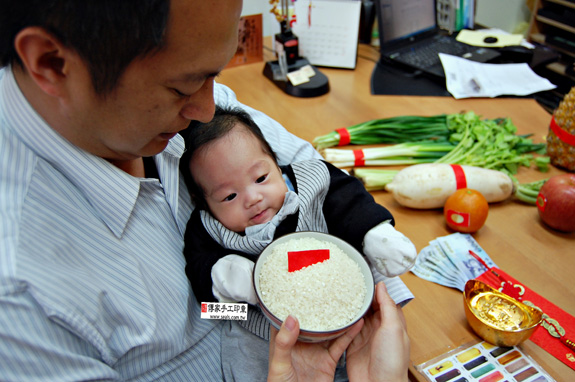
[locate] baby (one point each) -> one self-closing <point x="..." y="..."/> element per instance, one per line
<point x="244" y="200"/>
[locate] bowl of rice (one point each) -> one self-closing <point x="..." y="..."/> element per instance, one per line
<point x="327" y="297"/>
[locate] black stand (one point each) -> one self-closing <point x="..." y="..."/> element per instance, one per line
<point x="391" y="80"/>
<point x="317" y="85"/>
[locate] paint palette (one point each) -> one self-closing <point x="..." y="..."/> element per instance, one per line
<point x="483" y="362"/>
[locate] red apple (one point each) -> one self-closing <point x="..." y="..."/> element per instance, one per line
<point x="556" y="202"/>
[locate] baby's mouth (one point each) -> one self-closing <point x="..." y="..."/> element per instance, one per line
<point x="260" y="217"/>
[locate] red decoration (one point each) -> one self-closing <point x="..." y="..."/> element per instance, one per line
<point x="344" y="137"/>
<point x="556" y="332"/>
<point x="359" y="158"/>
<point x="460" y="180"/>
<point x="460" y="219"/>
<point x="301" y="259"/>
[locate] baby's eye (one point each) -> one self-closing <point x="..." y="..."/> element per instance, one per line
<point x="262" y="178"/>
<point x="230" y="197"/>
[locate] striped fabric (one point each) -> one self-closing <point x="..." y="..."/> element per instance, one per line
<point x="92" y="281"/>
<point x="313" y="184"/>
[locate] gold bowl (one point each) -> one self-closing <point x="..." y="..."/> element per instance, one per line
<point x="497" y="318"/>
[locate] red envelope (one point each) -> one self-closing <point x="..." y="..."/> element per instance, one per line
<point x="562" y="348"/>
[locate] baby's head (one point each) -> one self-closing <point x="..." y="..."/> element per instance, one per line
<point x="232" y="171"/>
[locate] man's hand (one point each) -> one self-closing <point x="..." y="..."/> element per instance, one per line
<point x="301" y="361"/>
<point x="377" y="348"/>
<point x="380" y="352"/>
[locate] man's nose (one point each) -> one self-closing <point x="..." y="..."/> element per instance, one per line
<point x="201" y="106"/>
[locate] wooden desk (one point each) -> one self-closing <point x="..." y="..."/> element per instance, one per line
<point x="513" y="236"/>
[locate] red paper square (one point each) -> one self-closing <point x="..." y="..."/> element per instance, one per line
<point x="301" y="259"/>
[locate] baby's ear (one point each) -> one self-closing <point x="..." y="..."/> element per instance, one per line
<point x="199" y="199"/>
<point x="46" y="60"/>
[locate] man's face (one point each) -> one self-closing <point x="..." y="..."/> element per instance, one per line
<point x="159" y="95"/>
<point x="242" y="184"/>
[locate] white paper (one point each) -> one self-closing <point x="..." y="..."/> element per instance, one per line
<point x="477" y="38"/>
<point x="327" y="31"/>
<point x="466" y="79"/>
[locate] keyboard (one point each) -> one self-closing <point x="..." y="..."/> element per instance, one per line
<point x="426" y="54"/>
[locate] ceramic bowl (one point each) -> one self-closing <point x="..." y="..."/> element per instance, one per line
<point x="312" y="335"/>
<point x="497" y="318"/>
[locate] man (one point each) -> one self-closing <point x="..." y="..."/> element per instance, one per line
<point x="92" y="210"/>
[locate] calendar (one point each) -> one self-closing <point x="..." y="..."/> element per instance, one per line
<point x="328" y="31"/>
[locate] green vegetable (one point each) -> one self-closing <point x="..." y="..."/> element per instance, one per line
<point x="374" y="179"/>
<point x="471" y="140"/>
<point x="391" y="130"/>
<point x="489" y="143"/>
<point x="377" y="179"/>
<point x="399" y="154"/>
<point x="527" y="192"/>
<point x="542" y="163"/>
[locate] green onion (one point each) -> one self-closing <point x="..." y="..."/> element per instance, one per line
<point x="399" y="154"/>
<point x="390" y="130"/>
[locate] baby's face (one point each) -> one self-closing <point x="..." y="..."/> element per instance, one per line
<point x="243" y="185"/>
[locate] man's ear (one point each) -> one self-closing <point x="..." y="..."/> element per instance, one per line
<point x="44" y="57"/>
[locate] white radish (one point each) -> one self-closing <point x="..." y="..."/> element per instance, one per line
<point x="428" y="185"/>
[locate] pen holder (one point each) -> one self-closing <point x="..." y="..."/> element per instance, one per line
<point x="287" y="42"/>
<point x="318" y="85"/>
<point x="561" y="136"/>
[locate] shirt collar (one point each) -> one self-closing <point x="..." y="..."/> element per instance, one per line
<point x="110" y="191"/>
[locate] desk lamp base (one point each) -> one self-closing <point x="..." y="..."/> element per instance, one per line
<point x="317" y="85"/>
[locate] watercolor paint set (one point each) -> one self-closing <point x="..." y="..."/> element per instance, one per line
<point x="483" y="362"/>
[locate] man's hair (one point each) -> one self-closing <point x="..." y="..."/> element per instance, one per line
<point x="107" y="34"/>
<point x="198" y="135"/>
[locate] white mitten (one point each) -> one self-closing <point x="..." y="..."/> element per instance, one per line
<point x="390" y="252"/>
<point x="232" y="280"/>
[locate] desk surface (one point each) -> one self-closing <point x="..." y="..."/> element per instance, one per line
<point x="517" y="242"/>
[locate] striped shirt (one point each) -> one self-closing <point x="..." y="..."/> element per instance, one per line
<point x="92" y="281"/>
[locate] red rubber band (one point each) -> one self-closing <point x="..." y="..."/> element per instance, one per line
<point x="359" y="158"/>
<point x="344" y="137"/>
<point x="460" y="181"/>
<point x="562" y="134"/>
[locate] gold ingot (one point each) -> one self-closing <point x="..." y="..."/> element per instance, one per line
<point x="498" y="318"/>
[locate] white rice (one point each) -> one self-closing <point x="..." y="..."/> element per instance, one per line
<point x="323" y="296"/>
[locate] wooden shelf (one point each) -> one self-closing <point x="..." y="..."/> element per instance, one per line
<point x="541" y="26"/>
<point x="538" y="38"/>
<point x="568" y="4"/>
<point x="555" y="24"/>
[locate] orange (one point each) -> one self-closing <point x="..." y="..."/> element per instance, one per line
<point x="466" y="210"/>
